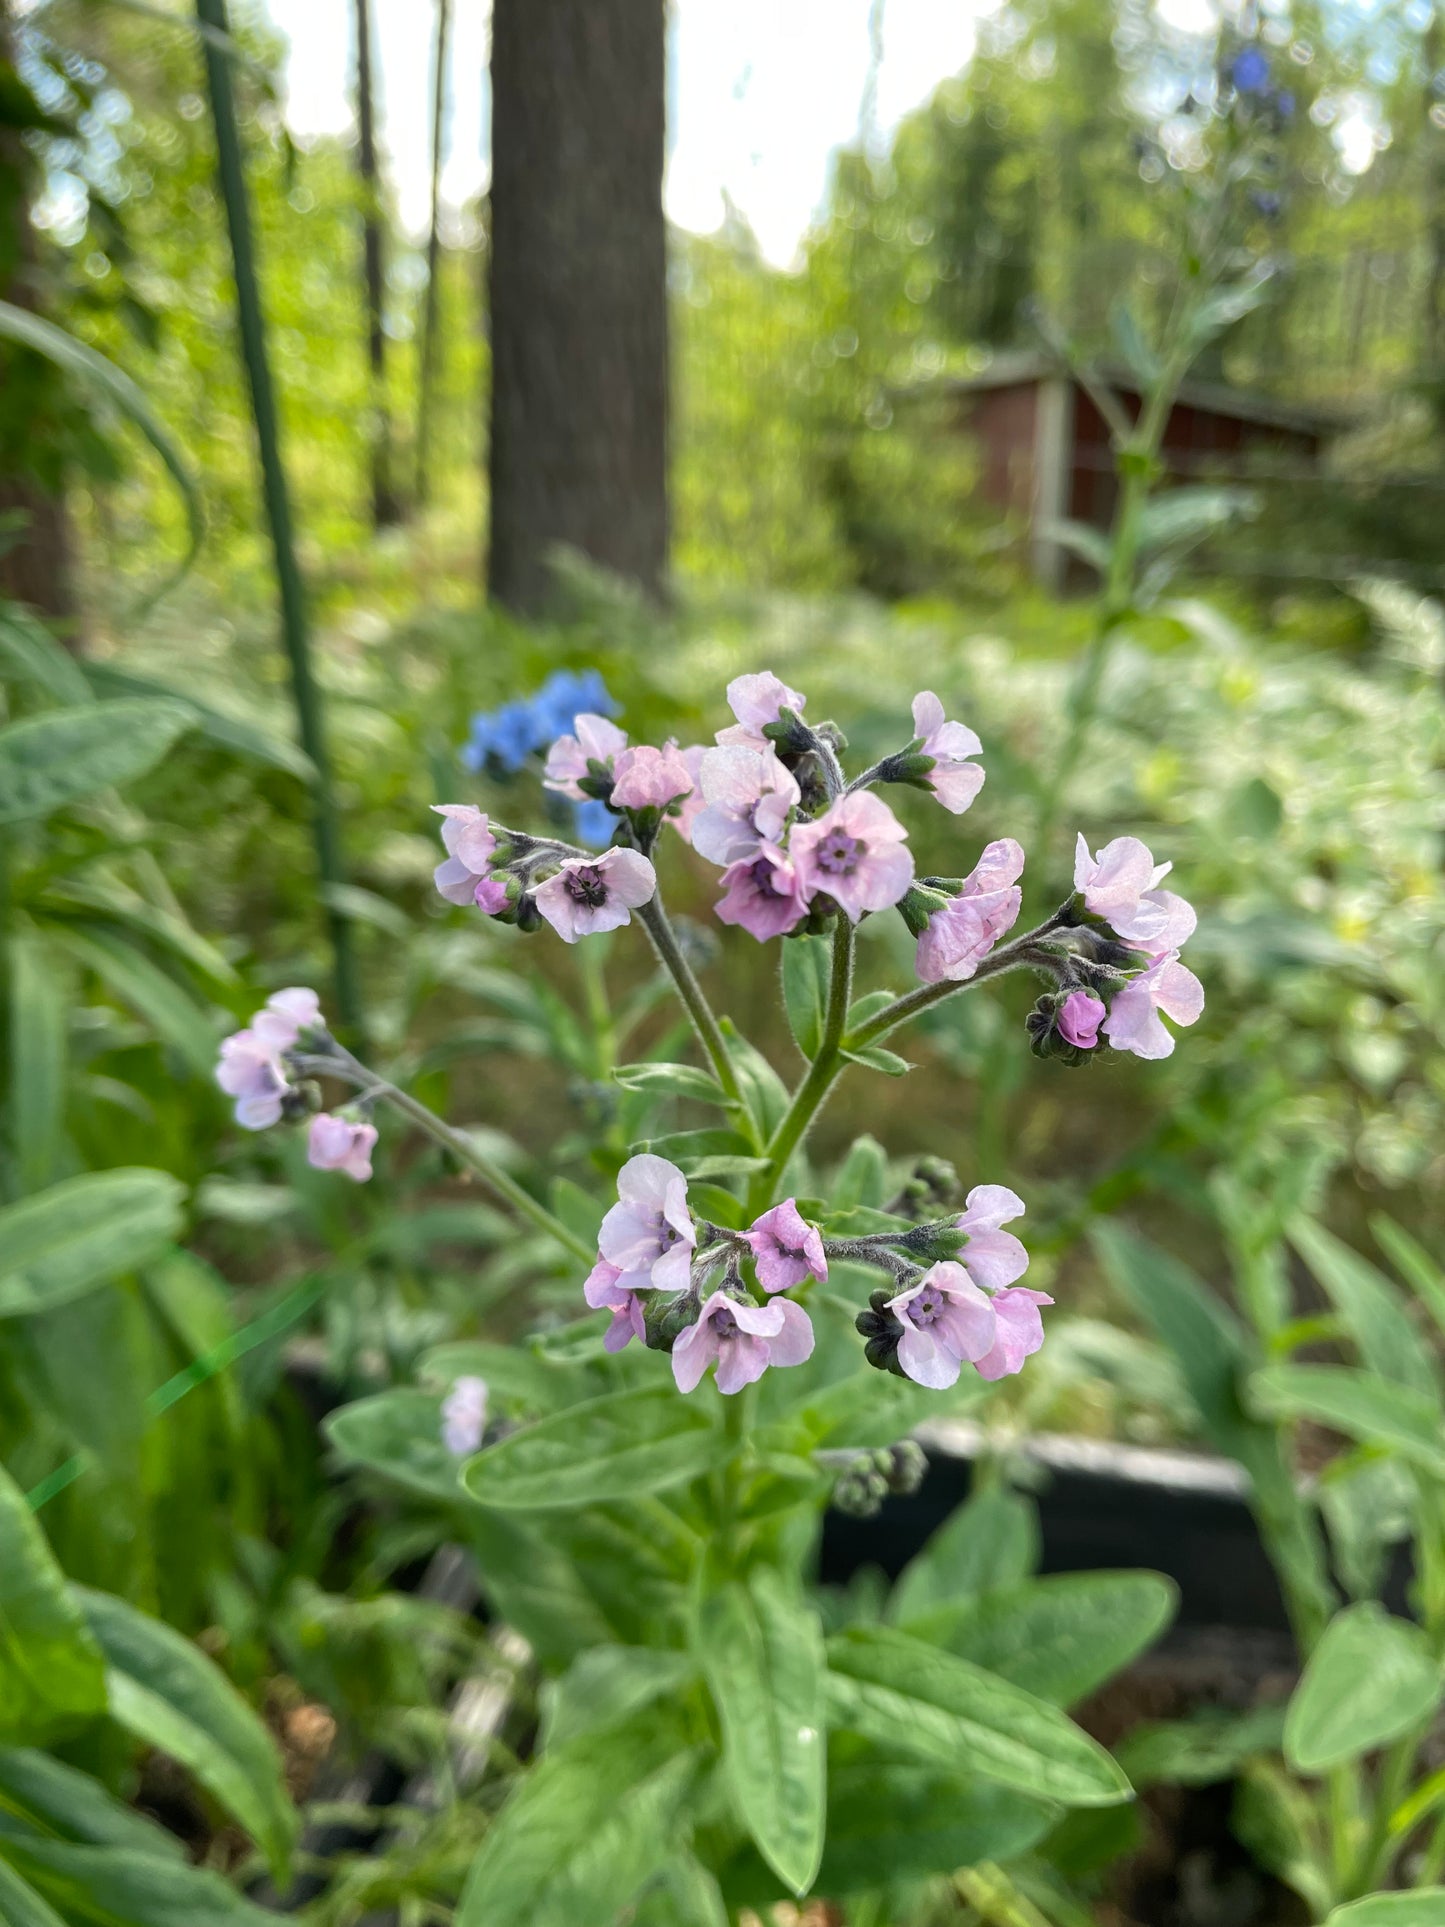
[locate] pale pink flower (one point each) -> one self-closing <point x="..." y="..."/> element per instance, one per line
<point x="757" y="701"/>
<point x="1121" y="885"/>
<point x="854" y="853"/>
<point x="744" y="1339"/>
<point x="490" y="895"/>
<point x="762" y="893"/>
<point x="596" y="741"/>
<point x="747" y="795"/>
<point x="992" y="1257"/>
<point x="953" y="779"/>
<point x="960" y="935"/>
<point x="464" y="1417"/>
<point x="249" y="1071"/>
<point x="787" y="1248"/>
<point x="1079" y="1018"/>
<point x="603" y="1291"/>
<point x="947" y="1321"/>
<point x="1134" y="1023"/>
<point x="1020" y="1332"/>
<point x="649" y="1234"/>
<point x="469" y="845"/>
<point x="286" y="1015"/>
<point x="692" y="805"/>
<point x="649" y="778"/>
<point x="592" y="893"/>
<point x="340" y="1144"/>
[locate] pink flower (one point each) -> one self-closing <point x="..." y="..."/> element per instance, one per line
<point x="757" y="701"/>
<point x="992" y="1258"/>
<point x="1133" y="1022"/>
<point x="469" y="845"/>
<point x="692" y="804"/>
<point x="1020" y="1332"/>
<point x="596" y="741"/>
<point x="788" y="1249"/>
<point x="747" y="795"/>
<point x="602" y="1290"/>
<point x="286" y="1015"/>
<point x="490" y="895"/>
<point x="1079" y="1018"/>
<point x="954" y="780"/>
<point x="650" y="778"/>
<point x="962" y="933"/>
<point x="339" y="1144"/>
<point x="854" y="853"/>
<point x="1121" y="886"/>
<point x="250" y="1072"/>
<point x="946" y="1320"/>
<point x="592" y="893"/>
<point x="464" y="1417"/>
<point x="648" y="1235"/>
<point x="744" y="1338"/>
<point x="762" y="893"/>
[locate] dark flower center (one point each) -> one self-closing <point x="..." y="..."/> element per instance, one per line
<point x="723" y="1323"/>
<point x="838" y="853"/>
<point x="765" y="879"/>
<point x="586" y="886"/>
<point x="926" y="1306"/>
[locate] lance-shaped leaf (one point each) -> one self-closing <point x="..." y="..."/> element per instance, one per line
<point x="72" y="1236"/>
<point x="1371" y="1678"/>
<point x="617" y="1447"/>
<point x="51" y="1672"/>
<point x="69" y="755"/>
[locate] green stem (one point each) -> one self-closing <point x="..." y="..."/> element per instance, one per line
<point x="1432" y="1862"/>
<point x="1017" y="955"/>
<point x="990" y="1892"/>
<point x="326" y="830"/>
<point x="1380" y="1848"/>
<point x="821" y="1075"/>
<point x="654" y="921"/>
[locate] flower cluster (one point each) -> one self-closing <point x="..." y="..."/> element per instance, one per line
<point x="260" y="1068"/>
<point x="503" y="742"/>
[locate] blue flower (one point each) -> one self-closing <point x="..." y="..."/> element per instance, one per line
<point x="1250" y="72"/>
<point x="502" y="740"/>
<point x="593" y="824"/>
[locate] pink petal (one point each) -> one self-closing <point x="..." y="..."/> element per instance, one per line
<point x="795" y="1341"/>
<point x="742" y="1361"/>
<point x="994" y="1258"/>
<point x="925" y="1362"/>
<point x="1179" y="994"/>
<point x="694" y="1351"/>
<point x="956" y="784"/>
<point x="987" y="1206"/>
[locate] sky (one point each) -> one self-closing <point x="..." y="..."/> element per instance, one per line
<point x="762" y="91"/>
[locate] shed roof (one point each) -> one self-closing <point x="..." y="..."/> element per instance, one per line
<point x="1019" y="367"/>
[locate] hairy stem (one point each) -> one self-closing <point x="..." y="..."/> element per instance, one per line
<point x="654" y="921"/>
<point x="821" y="1075"/>
<point x="1018" y="955"/>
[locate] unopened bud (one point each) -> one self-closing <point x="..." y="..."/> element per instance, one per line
<point x="790" y="735"/>
<point x="881" y="1329"/>
<point x="666" y="1316"/>
<point x="918" y="905"/>
<point x="910" y="767"/>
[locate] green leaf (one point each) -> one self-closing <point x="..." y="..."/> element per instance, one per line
<point x="906" y="1822"/>
<point x="873" y="1057"/>
<point x="761" y="1649"/>
<point x="61" y="1799"/>
<point x="1079" y="538"/>
<point x="1358" y="1404"/>
<point x="807" y="967"/>
<point x="766" y="1094"/>
<point x="1371" y="1678"/>
<point x="236" y="734"/>
<point x="617" y="1447"/>
<point x="924" y="1704"/>
<point x="91" y="370"/>
<point x="1060" y="1637"/>
<point x="116" y="1887"/>
<point x="607" y="1685"/>
<point x="38" y="1046"/>
<point x="862" y="1177"/>
<point x="1414" y="1264"/>
<point x="1278" y="1820"/>
<point x="1423" y="1908"/>
<point x="518" y="1378"/>
<point x="1188" y="515"/>
<point x="1200" y="1751"/>
<point x="169" y="1009"/>
<point x="585" y="1828"/>
<point x="686" y="1148"/>
<point x="167" y="1693"/>
<point x="71" y="1237"/>
<point x="991" y="1540"/>
<point x="1370" y="1306"/>
<point x="51" y="1671"/>
<point x="672" y="1080"/>
<point x="68" y="755"/>
<point x="29" y="653"/>
<point x="399" y="1434"/>
<point x="20" y="1905"/>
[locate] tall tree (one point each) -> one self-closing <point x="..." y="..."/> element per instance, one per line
<point x="578" y="293"/>
<point x="431" y="313"/>
<point x="385" y="507"/>
<point x="36" y="548"/>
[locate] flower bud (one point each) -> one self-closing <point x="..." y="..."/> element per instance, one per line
<point x="1045" y="1038"/>
<point x="789" y="735"/>
<point x="529" y="917"/>
<point x="904" y="1466"/>
<point x="919" y="904"/>
<point x="881" y="1329"/>
<point x="667" y="1316"/>
<point x="598" y="781"/>
<point x="860" y="1491"/>
<point x="908" y="766"/>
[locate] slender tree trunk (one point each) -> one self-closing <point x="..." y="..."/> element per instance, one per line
<point x="578" y="292"/>
<point x="431" y="314"/>
<point x="1432" y="338"/>
<point x="37" y="557"/>
<point x="385" y="508"/>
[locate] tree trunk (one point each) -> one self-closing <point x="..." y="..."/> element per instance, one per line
<point x="385" y="509"/>
<point x="578" y="292"/>
<point x="431" y="313"/>
<point x="1433" y="319"/>
<point x="37" y="560"/>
